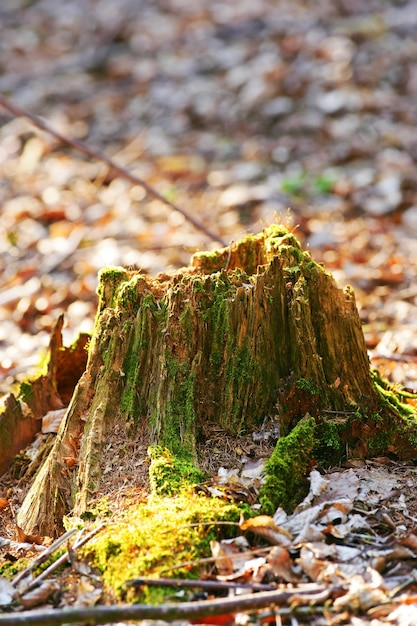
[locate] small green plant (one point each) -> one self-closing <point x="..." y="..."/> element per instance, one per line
<point x="293" y="185"/>
<point x="324" y="183"/>
<point x="170" y="193"/>
<point x="300" y="183"/>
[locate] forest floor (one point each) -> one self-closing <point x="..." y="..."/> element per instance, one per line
<point x="242" y="113"/>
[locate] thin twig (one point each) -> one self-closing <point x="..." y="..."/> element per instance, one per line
<point x="44" y="556"/>
<point x="19" y="111"/>
<point x="203" y="584"/>
<point x="213" y="559"/>
<point x="197" y="524"/>
<point x="309" y="594"/>
<point x="80" y="541"/>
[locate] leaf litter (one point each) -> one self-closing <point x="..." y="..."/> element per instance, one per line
<point x="346" y="555"/>
<point x="353" y="533"/>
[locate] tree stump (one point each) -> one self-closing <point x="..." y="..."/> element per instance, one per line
<point x="254" y="330"/>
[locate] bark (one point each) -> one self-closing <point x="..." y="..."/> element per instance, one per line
<point x="258" y="329"/>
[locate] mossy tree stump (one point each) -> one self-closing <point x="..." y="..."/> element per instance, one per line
<point x="258" y="329"/>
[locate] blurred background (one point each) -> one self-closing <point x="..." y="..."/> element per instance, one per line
<point x="242" y="113"/>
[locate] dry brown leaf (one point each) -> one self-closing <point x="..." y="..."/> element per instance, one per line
<point x="224" y="564"/>
<point x="312" y="566"/>
<point x="52" y="420"/>
<point x="252" y="571"/>
<point x="281" y="564"/>
<point x="22" y="537"/>
<point x="410" y="541"/>
<point x="40" y="595"/>
<point x="3" y="504"/>
<point x="228" y="554"/>
<point x="265" y="526"/>
<point x="70" y="462"/>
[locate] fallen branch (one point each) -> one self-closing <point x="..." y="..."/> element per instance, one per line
<point x="309" y="594"/>
<point x="44" y="556"/>
<point x="203" y="584"/>
<point x="19" y="111"/>
<point x="64" y="558"/>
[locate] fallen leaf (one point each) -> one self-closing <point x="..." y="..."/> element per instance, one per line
<point x="265" y="526"/>
<point x="223" y="562"/>
<point x="364" y="592"/>
<point x="227" y="554"/>
<point x="7" y="592"/>
<point x="281" y="564"/>
<point x="3" y="504"/>
<point x="40" y="594"/>
<point x="22" y="537"/>
<point x="52" y="420"/>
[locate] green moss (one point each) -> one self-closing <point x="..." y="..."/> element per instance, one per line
<point x="149" y="315"/>
<point x="168" y="474"/>
<point x="306" y="385"/>
<point x="25" y="391"/>
<point x="112" y="274"/>
<point x="179" y="419"/>
<point x="254" y="251"/>
<point x="249" y="254"/>
<point x="198" y="285"/>
<point x="212" y="261"/>
<point x="241" y="368"/>
<point x="217" y="319"/>
<point x="391" y="395"/>
<point x="277" y="238"/>
<point x="97" y="510"/>
<point x="330" y="445"/>
<point x="285" y="482"/>
<point x="186" y="323"/>
<point x="50" y="561"/>
<point x="110" y="279"/>
<point x="153" y="536"/>
<point x="9" y="570"/>
<point x="380" y="441"/>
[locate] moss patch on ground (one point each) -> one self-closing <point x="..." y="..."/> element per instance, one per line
<point x="151" y="537"/>
<point x="169" y="473"/>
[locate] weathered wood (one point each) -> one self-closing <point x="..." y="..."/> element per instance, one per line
<point x="20" y="419"/>
<point x="258" y="329"/>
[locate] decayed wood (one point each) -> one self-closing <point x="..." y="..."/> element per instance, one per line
<point x="20" y="419"/>
<point x="258" y="329"/>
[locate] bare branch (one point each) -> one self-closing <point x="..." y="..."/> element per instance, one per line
<point x="203" y="584"/>
<point x="19" y="111"/>
<point x="307" y="595"/>
<point x="64" y="558"/>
